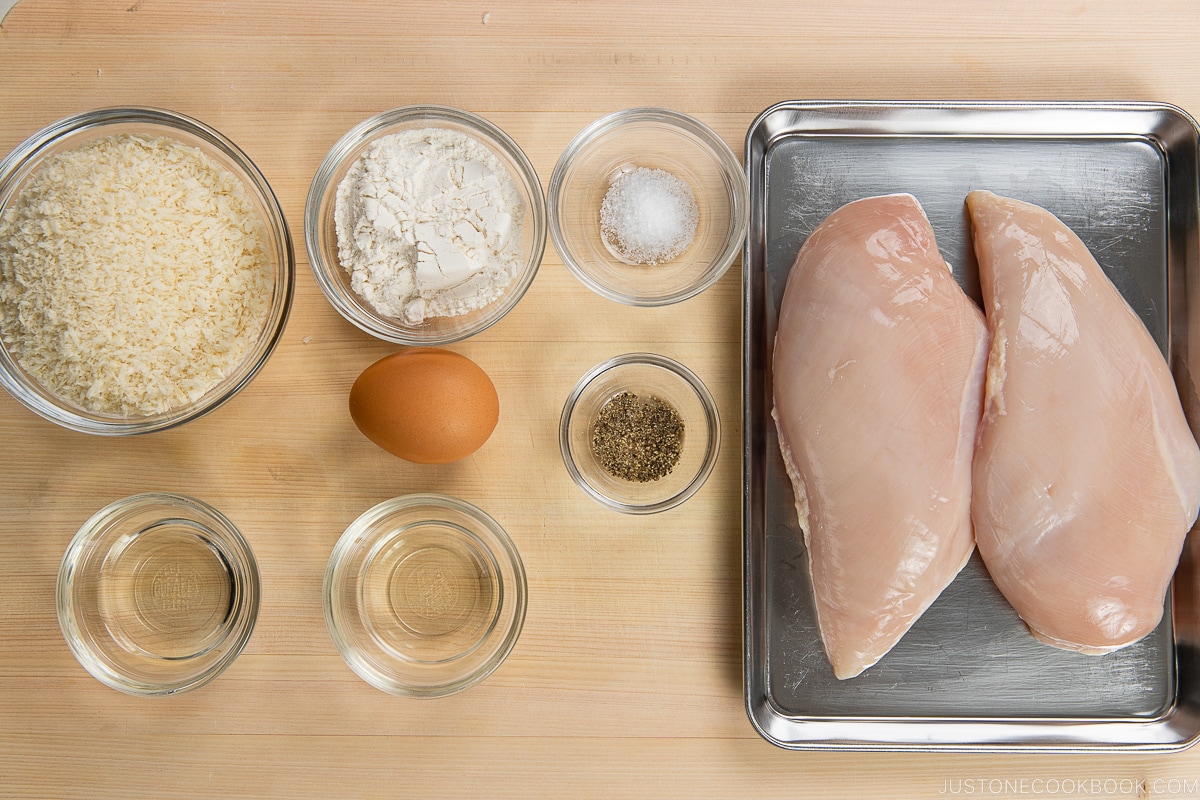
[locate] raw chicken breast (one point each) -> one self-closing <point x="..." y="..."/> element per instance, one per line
<point x="1087" y="478"/>
<point x="878" y="383"/>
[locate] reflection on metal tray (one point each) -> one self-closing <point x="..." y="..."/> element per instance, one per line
<point x="968" y="675"/>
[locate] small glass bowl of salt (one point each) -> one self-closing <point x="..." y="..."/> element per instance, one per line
<point x="648" y="207"/>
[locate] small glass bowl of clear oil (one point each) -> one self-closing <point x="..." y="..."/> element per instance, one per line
<point x="157" y="594"/>
<point x="424" y="595"/>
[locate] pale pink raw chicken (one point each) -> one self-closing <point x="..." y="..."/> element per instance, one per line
<point x="1087" y="478"/>
<point x="878" y="382"/>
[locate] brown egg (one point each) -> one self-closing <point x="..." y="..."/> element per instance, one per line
<point x="426" y="405"/>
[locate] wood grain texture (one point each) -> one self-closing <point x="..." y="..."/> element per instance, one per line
<point x="627" y="680"/>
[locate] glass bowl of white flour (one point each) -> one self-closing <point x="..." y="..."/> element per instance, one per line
<point x="425" y="225"/>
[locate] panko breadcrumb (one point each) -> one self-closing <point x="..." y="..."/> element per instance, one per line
<point x="134" y="275"/>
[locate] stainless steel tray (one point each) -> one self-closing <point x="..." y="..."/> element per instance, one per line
<point x="968" y="676"/>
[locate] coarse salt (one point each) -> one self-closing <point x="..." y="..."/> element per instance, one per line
<point x="649" y="216"/>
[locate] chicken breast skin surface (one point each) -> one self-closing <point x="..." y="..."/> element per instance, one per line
<point x="878" y="374"/>
<point x="1086" y="475"/>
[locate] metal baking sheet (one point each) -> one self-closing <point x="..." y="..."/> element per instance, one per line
<point x="968" y="676"/>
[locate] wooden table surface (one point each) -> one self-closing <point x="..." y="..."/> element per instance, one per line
<point x="627" y="680"/>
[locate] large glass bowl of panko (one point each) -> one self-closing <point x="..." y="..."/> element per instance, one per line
<point x="425" y="225"/>
<point x="146" y="271"/>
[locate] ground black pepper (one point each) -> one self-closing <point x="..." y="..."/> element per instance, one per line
<point x="637" y="438"/>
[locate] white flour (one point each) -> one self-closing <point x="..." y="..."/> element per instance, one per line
<point x="428" y="225"/>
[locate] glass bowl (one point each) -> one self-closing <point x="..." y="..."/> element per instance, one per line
<point x="321" y="239"/>
<point x="157" y="594"/>
<point x="643" y="375"/>
<point x="24" y="163"/>
<point x="424" y="595"/>
<point x="654" y="139"/>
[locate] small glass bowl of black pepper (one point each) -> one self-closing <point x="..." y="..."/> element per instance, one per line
<point x="648" y="206"/>
<point x="639" y="433"/>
